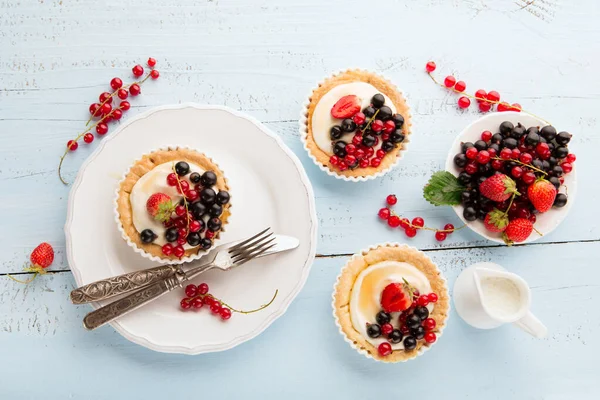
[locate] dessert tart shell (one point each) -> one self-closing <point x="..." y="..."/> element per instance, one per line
<point x="124" y="212"/>
<point x="342" y="292"/>
<point x="321" y="158"/>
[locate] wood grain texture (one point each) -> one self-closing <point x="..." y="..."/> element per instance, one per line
<point x="263" y="57"/>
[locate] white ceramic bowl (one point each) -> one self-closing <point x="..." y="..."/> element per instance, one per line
<point x="545" y="222"/>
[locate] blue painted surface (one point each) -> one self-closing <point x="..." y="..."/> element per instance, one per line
<point x="263" y="57"/>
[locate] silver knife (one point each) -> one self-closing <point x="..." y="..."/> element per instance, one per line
<point x="129" y="282"/>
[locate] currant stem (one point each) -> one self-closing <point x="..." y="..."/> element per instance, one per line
<point x="428" y="228"/>
<point x="479" y="98"/>
<point x="25" y="282"/>
<point x="185" y="203"/>
<point x="370" y="121"/>
<point x="201" y="296"/>
<point x="523" y="164"/>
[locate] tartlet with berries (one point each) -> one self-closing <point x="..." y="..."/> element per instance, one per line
<point x="355" y="125"/>
<point x="390" y="302"/>
<point x="173" y="204"/>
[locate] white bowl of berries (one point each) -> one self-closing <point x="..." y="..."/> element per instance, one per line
<point x="515" y="177"/>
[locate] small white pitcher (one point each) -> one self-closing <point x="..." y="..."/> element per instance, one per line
<point x="478" y="308"/>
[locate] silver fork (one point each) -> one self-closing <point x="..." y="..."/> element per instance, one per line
<point x="234" y="257"/>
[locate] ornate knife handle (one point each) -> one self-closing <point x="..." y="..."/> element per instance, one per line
<point x="118" y="308"/>
<point x="117" y="285"/>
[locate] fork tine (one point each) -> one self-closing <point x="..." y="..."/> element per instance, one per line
<point x="245" y="260"/>
<point x="256" y="242"/>
<point x="237" y="246"/>
<point x="250" y="252"/>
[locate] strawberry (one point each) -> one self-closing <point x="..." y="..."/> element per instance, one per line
<point x="498" y="187"/>
<point x="160" y="206"/>
<point x="346" y="107"/>
<point x="518" y="230"/>
<point x="495" y="221"/>
<point x="542" y="194"/>
<point x="396" y="297"/>
<point x="42" y="256"/>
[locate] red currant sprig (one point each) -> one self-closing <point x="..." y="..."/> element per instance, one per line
<point x="412" y="227"/>
<point x="105" y="111"/>
<point x="198" y="296"/>
<point x="485" y="100"/>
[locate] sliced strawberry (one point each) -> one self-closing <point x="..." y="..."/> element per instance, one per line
<point x="346" y="107"/>
<point x="396" y="297"/>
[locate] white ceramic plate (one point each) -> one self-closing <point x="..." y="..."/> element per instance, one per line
<point x="268" y="188"/>
<point x="545" y="222"/>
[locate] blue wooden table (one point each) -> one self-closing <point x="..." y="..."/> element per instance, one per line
<point x="263" y="57"/>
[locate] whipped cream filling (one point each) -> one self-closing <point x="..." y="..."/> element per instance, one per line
<point x="155" y="181"/>
<point x="322" y="121"/>
<point x="366" y="295"/>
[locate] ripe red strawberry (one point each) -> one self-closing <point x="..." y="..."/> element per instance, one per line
<point x="518" y="230"/>
<point x="495" y="221"/>
<point x="42" y="256"/>
<point x="542" y="194"/>
<point x="396" y="297"/>
<point x="346" y="107"/>
<point x="160" y="206"/>
<point x="498" y="187"/>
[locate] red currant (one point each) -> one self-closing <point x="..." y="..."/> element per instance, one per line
<point x="410" y="232"/>
<point x="215" y="308"/>
<point x="334" y="160"/>
<point x="516" y="172"/>
<point x="528" y="177"/>
<point x="391" y="199"/>
<point x="209" y="234"/>
<point x="389" y="126"/>
<point x="183" y="187"/>
<point x="471" y="168"/>
<point x="380" y="153"/>
<point x="480" y="95"/>
<point x="506" y="153"/>
<point x="532" y="218"/>
<point x="154" y="74"/>
<point x="95" y="109"/>
<point x="88" y="138"/>
<point x="484" y="106"/>
<point x="385" y="136"/>
<point x="515" y="154"/>
<point x="486" y="136"/>
<point x="460" y="86"/>
<point x="429" y="324"/>
<point x="418" y="222"/>
<point x="105" y="108"/>
<point x="384" y="213"/>
<point x="464" y="102"/>
<point x="180" y="210"/>
<point x="135" y="89"/>
<point x="483" y="157"/>
<point x="202" y="288"/>
<point x="430" y="337"/>
<point x="192" y="195"/>
<point x="138" y="70"/>
<point x="181" y="240"/>
<point x="440" y="236"/>
<point x="504" y="106"/>
<point x="116" y="114"/>
<point x="497" y="165"/>
<point x="101" y="128"/>
<point x="404" y="329"/>
<point x="167" y="249"/>
<point x="384" y="349"/>
<point x="116" y="83"/>
<point x="122" y="94"/>
<point x="386" y="329"/>
<point x="449" y="228"/>
<point x="404" y="223"/>
<point x="370" y="151"/>
<point x="515" y="107"/>
<point x="342" y="166"/>
<point x="492" y="152"/>
<point x="359" y="118"/>
<point x="394" y="221"/>
<point x="471" y="153"/>
<point x="350" y="148"/>
<point x="450" y="81"/>
<point x="225" y="313"/>
<point x="191" y="290"/>
<point x="178" y="251"/>
<point x="185" y="303"/>
<point x="357" y="139"/>
<point x="195" y="226"/>
<point x="105" y="97"/>
<point x="375" y="162"/>
<point x="364" y="163"/>
<point x="359" y="153"/>
<point x="542" y="148"/>
<point x="151" y="62"/>
<point x="571" y="158"/>
<point x="423" y="300"/>
<point x="430" y="66"/>
<point x="377" y="125"/>
<point x="72" y="145"/>
<point x="525" y="158"/>
<point x="433" y="298"/>
<point x="197" y="302"/>
<point x="124" y="105"/>
<point x="172" y="180"/>
<point x="567" y="167"/>
<point x="493" y="96"/>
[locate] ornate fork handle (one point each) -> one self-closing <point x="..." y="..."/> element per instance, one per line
<point x="117" y="285"/>
<point x="105" y="314"/>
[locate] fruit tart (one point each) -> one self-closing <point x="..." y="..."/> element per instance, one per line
<point x="391" y="302"/>
<point x="172" y="204"/>
<point x="356" y="125"/>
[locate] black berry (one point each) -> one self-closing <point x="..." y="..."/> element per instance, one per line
<point x="147" y="236"/>
<point x="506" y="127"/>
<point x="548" y="132"/>
<point x="193" y="239"/>
<point x="480" y="145"/>
<point x="373" y="330"/>
<point x="214" y="224"/>
<point x="207" y="196"/>
<point x="209" y="178"/>
<point x="422" y="312"/>
<point x="395" y="336"/>
<point x="197" y="209"/>
<point x="410" y="343"/>
<point x="182" y="168"/>
<point x="171" y="234"/>
<point x="339" y="149"/>
<point x="397" y="136"/>
<point x="511" y="143"/>
<point x="398" y="120"/>
<point x="560" y="200"/>
<point x="497" y="138"/>
<point x="561" y="152"/>
<point x="460" y="160"/>
<point x="413" y="321"/>
<point x="517" y="132"/>
<point x="215" y="210"/>
<point x="532" y="138"/>
<point x="418" y="332"/>
<point x="378" y="100"/>
<point x="384" y="113"/>
<point x="195" y="177"/>
<point x="369" y="111"/>
<point x="348" y="125"/>
<point x="466" y="145"/>
<point x="368" y="140"/>
<point x="470" y="214"/>
<point x="387" y="146"/>
<point x="223" y="197"/>
<point x="555" y="181"/>
<point x="464" y="178"/>
<point x="383" y="318"/>
<point x="335" y="132"/>
<point x="205" y="243"/>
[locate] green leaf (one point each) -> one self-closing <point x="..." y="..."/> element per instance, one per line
<point x="443" y="189"/>
<point x="165" y="209"/>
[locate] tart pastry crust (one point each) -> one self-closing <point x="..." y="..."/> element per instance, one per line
<point x="385" y="87"/>
<point x="146" y="164"/>
<point x="343" y="293"/>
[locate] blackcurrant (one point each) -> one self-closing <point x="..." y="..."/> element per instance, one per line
<point x="206" y="243"/>
<point x="171" y="234"/>
<point x="537" y="163"/>
<point x="387" y="146"/>
<point x="397" y="136"/>
<point x="215" y="210"/>
<point x="466" y="197"/>
<point x="207" y="196"/>
<point x="548" y="132"/>
<point x="557" y="170"/>
<point x="418" y="332"/>
<point x="422" y="312"/>
<point x="466" y="145"/>
<point x="517" y="132"/>
<point x="339" y="149"/>
<point x="464" y="178"/>
<point x="378" y="100"/>
<point x="335" y="132"/>
<point x="384" y="113"/>
<point x="193" y="239"/>
<point x="373" y="330"/>
<point x="197" y="209"/>
<point x="410" y="343"/>
<point x="383" y="318"/>
<point x="532" y="138"/>
<point x="506" y="127"/>
<point x="497" y="138"/>
<point x="555" y="181"/>
<point x="182" y="168"/>
<point x="368" y="140"/>
<point x="398" y="120"/>
<point x="214" y="224"/>
<point x="511" y="143"/>
<point x="480" y="145"/>
<point x="209" y="178"/>
<point x="560" y="200"/>
<point x="495" y="146"/>
<point x="369" y="111"/>
<point x="561" y="152"/>
<point x="223" y="197"/>
<point x="147" y="236"/>
<point x="460" y="160"/>
<point x="348" y="125"/>
<point x="395" y="336"/>
<point x="195" y="177"/>
<point x="412" y="321"/>
<point x="470" y="214"/>
<point x="481" y="213"/>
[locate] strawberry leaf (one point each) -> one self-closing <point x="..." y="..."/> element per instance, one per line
<point x="165" y="209"/>
<point x="498" y="218"/>
<point x="443" y="189"/>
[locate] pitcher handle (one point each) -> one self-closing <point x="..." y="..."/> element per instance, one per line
<point x="530" y="324"/>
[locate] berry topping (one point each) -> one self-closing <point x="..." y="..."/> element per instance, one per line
<point x="421" y="312"/>
<point x="429" y="324"/>
<point x="386" y="329"/>
<point x="374" y="331"/>
<point x="410" y="343"/>
<point x="383" y="317"/>
<point x="385" y="349"/>
<point x="209" y="178"/>
<point x="182" y="168"/>
<point x="396" y="336"/>
<point x="378" y="100"/>
<point x="346" y="107"/>
<point x="207" y="196"/>
<point x="430" y="337"/>
<point x="147" y="236"/>
<point x="160" y="206"/>
<point x="396" y="297"/>
<point x="412" y="321"/>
